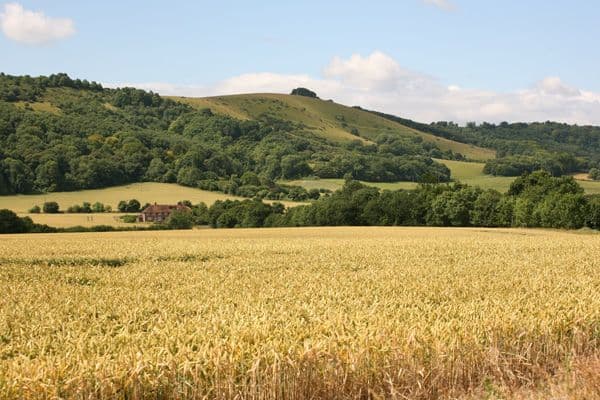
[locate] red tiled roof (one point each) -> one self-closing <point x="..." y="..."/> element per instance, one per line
<point x="162" y="208"/>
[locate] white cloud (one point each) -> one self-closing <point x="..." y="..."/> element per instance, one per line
<point x="552" y="85"/>
<point x="377" y="71"/>
<point x="446" y="5"/>
<point x="378" y="82"/>
<point x="33" y="27"/>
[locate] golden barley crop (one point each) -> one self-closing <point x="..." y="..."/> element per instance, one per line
<point x="300" y="313"/>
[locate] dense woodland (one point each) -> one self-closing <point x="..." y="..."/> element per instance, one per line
<point x="555" y="147"/>
<point x="60" y="134"/>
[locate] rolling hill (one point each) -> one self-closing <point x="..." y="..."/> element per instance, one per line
<point x="339" y="123"/>
<point x="58" y="134"/>
<point x="327" y="119"/>
<point x="68" y="136"/>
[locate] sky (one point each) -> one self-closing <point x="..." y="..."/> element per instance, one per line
<point x="428" y="60"/>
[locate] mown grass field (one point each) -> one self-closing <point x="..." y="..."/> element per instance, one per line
<point x="148" y="192"/>
<point x="417" y="313"/>
<point x="470" y="173"/>
<point x="335" y="184"/>
<point x="324" y="118"/>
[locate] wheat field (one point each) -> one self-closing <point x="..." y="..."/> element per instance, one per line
<point x="340" y="313"/>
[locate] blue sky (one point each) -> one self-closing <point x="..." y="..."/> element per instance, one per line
<point x="426" y="59"/>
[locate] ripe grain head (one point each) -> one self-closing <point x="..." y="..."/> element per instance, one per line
<point x="287" y="313"/>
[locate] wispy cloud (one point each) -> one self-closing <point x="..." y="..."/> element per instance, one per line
<point x="445" y="5"/>
<point x="33" y="27"/>
<point x="379" y="82"/>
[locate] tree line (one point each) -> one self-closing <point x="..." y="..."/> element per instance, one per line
<point x="558" y="148"/>
<point x="533" y="200"/>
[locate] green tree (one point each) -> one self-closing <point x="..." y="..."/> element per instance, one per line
<point x="304" y="92"/>
<point x="200" y="213"/>
<point x="562" y="211"/>
<point x="49" y="177"/>
<point x="51" y="207"/>
<point x="453" y="208"/>
<point x="592" y="218"/>
<point x="133" y="206"/>
<point x="189" y="176"/>
<point x="492" y="209"/>
<point x="86" y="207"/>
<point x="228" y="219"/>
<point x="156" y="170"/>
<point x="11" y="223"/>
<point x="250" y="178"/>
<point x="294" y="166"/>
<point x="20" y="178"/>
<point x="4" y="185"/>
<point x="540" y="183"/>
<point x="180" y="219"/>
<point x="122" y="206"/>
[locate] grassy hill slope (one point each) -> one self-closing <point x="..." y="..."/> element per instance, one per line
<point x="327" y="119"/>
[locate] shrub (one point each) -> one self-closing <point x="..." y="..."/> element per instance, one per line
<point x="314" y="194"/>
<point x="35" y="209"/>
<point x="84" y="208"/>
<point x="130" y="219"/>
<point x="75" y="209"/>
<point x="51" y="207"/>
<point x="98" y="207"/>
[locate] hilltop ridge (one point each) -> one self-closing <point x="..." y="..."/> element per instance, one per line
<point x="327" y="119"/>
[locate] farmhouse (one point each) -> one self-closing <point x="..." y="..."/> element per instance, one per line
<point x="160" y="212"/>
